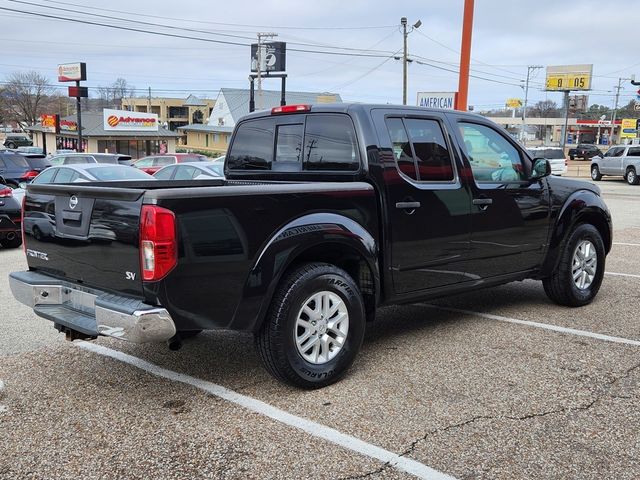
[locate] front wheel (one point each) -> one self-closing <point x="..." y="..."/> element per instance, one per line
<point x="11" y="145"/>
<point x="596" y="176"/>
<point x="632" y="177"/>
<point x="578" y="276"/>
<point x="314" y="328"/>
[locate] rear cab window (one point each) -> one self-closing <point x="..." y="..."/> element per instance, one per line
<point x="316" y="142"/>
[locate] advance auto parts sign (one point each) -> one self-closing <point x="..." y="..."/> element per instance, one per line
<point x="123" y="120"/>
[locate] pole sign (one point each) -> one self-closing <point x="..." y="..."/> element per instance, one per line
<point x="124" y="120"/>
<point x="629" y="128"/>
<point x="569" y="77"/>
<point x="513" y="103"/>
<point x="72" y="72"/>
<point x="273" y="57"/>
<point x="49" y="123"/>
<point x="444" y="100"/>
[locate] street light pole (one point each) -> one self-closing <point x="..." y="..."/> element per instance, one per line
<point x="405" y="59"/>
<point x="615" y="108"/>
<point x="403" y="22"/>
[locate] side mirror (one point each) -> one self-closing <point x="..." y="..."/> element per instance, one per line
<point x="541" y="168"/>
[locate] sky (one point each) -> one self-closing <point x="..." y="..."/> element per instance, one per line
<point x="508" y="35"/>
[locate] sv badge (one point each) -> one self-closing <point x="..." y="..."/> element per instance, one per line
<point x="130" y="275"/>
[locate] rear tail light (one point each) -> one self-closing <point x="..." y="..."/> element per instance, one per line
<point x="158" y="244"/>
<point x="31" y="174"/>
<point x="6" y="192"/>
<point x="290" y="109"/>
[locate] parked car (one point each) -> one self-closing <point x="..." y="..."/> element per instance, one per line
<point x="584" y="151"/>
<point x="619" y="161"/>
<point x="31" y="150"/>
<point x="36" y="161"/>
<point x="15" y="140"/>
<point x="15" y="168"/>
<point x="154" y="163"/>
<point x="90" y="172"/>
<point x="554" y="155"/>
<point x="329" y="211"/>
<point x="10" y="218"/>
<point x="191" y="171"/>
<point x="78" y="158"/>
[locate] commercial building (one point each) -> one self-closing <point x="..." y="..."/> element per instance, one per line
<point x="127" y="135"/>
<point x="232" y="104"/>
<point x="172" y="112"/>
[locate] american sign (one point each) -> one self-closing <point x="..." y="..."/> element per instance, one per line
<point x="446" y="100"/>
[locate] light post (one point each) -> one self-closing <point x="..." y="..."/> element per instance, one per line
<point x="405" y="33"/>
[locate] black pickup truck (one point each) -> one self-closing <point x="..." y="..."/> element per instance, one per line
<point x="326" y="213"/>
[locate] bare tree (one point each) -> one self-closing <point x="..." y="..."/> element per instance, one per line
<point x="24" y="95"/>
<point x="111" y="96"/>
<point x="545" y="109"/>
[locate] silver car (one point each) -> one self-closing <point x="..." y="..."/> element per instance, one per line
<point x="620" y="161"/>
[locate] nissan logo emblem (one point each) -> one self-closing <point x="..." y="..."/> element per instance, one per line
<point x="73" y="201"/>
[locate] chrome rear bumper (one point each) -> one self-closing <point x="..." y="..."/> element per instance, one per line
<point x="90" y="311"/>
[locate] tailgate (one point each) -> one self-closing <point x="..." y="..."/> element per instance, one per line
<point x="85" y="234"/>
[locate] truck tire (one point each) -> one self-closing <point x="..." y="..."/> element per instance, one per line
<point x="314" y="327"/>
<point x="578" y="276"/>
<point x="631" y="176"/>
<point x="596" y="176"/>
<point x="15" y="242"/>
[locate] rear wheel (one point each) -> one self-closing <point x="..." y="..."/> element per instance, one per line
<point x="578" y="276"/>
<point x="15" y="242"/>
<point x="314" y="328"/>
<point x="11" y="145"/>
<point x="632" y="177"/>
<point x="595" y="173"/>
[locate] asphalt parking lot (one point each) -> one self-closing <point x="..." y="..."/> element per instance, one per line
<point x="493" y="384"/>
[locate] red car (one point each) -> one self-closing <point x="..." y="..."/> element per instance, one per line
<point x="153" y="163"/>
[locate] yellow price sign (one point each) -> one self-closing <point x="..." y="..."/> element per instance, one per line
<point x="558" y="82"/>
<point x="579" y="81"/>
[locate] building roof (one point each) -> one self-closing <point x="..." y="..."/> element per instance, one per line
<point x="195" y="127"/>
<point x="193" y="101"/>
<point x="93" y="126"/>
<point x="238" y="99"/>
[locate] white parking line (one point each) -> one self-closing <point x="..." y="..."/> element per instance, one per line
<point x="546" y="326"/>
<point x="627" y="244"/>
<point x="312" y="428"/>
<point x="616" y="274"/>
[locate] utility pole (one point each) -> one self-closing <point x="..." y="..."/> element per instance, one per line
<point x="615" y="107"/>
<point x="530" y="68"/>
<point x="149" y="101"/>
<point x="405" y="59"/>
<point x="259" y="59"/>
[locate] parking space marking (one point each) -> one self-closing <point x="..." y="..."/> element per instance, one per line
<point x="627" y="244"/>
<point x="545" y="326"/>
<point x="616" y="274"/>
<point x="312" y="428"/>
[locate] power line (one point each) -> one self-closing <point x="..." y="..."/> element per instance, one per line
<point x="253" y="27"/>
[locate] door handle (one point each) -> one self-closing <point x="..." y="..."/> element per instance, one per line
<point x="407" y="205"/>
<point x="482" y="203"/>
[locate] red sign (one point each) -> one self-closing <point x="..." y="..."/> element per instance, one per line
<point x="78" y="92"/>
<point x="49" y="123"/>
<point x="68" y="126"/>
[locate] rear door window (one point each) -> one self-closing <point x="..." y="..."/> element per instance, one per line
<point x="252" y="147"/>
<point x="430" y="150"/>
<point x="165" y="173"/>
<point x="634" y="152"/>
<point x="401" y="148"/>
<point x="46" y="176"/>
<point x="330" y="143"/>
<point x="185" y="172"/>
